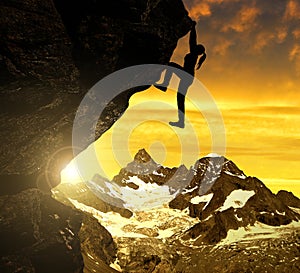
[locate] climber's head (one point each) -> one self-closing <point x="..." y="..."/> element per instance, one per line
<point x="199" y="49"/>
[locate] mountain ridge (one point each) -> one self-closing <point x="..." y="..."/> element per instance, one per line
<point x="214" y="191"/>
<point x="228" y="217"/>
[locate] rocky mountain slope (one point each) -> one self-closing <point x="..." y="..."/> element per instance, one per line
<point x="39" y="234"/>
<point x="213" y="207"/>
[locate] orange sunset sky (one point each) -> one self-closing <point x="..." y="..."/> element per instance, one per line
<point x="253" y="73"/>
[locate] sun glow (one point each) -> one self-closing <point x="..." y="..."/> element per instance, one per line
<point x="70" y="174"/>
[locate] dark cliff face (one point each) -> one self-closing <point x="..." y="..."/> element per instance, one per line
<point x="51" y="52"/>
<point x="61" y="41"/>
<point x="39" y="234"/>
<point x="109" y="35"/>
<point x="34" y="42"/>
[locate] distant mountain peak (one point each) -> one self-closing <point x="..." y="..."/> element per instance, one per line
<point x="142" y="156"/>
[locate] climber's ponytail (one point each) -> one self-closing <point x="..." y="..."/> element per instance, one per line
<point x="201" y="60"/>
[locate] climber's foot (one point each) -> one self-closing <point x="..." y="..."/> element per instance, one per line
<point x="179" y="124"/>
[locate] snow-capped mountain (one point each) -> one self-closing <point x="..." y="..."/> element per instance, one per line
<point x="234" y="200"/>
<point x="146" y="169"/>
<point x="168" y="211"/>
<point x="142" y="184"/>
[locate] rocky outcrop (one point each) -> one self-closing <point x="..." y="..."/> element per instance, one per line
<point x="231" y="201"/>
<point x="50" y="55"/>
<point x="83" y="194"/>
<point x="111" y="35"/>
<point x="146" y="255"/>
<point x="34" y="42"/>
<point x="288" y="198"/>
<point x="39" y="234"/>
<point x="279" y="254"/>
<point x="96" y="241"/>
<point x="48" y="41"/>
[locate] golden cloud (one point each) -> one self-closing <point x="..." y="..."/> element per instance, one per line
<point x="222" y="47"/>
<point x="294" y="56"/>
<point x="292" y="10"/>
<point x="282" y="34"/>
<point x="244" y="20"/>
<point x="202" y="8"/>
<point x="294" y="52"/>
<point x="262" y="40"/>
<point x="199" y="10"/>
<point x="296" y="33"/>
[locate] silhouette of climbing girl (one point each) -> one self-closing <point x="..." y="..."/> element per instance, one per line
<point x="190" y="61"/>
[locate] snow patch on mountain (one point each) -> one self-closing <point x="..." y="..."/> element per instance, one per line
<point x="280" y="213"/>
<point x="159" y="174"/>
<point x="238" y="218"/>
<point x="185" y="191"/>
<point x="242" y="176"/>
<point x="236" y="199"/>
<point x="257" y="231"/>
<point x="161" y="222"/>
<point x="204" y="198"/>
<point x="297" y="210"/>
<point x="146" y="196"/>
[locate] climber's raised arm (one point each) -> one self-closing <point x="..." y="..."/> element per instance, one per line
<point x="193" y="37"/>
